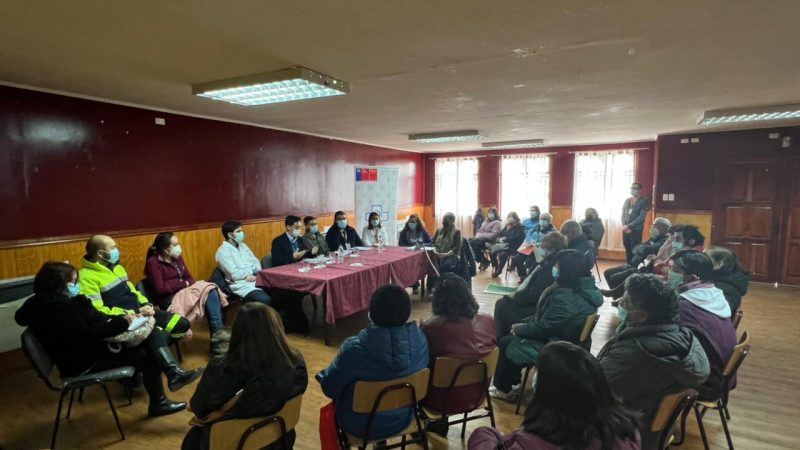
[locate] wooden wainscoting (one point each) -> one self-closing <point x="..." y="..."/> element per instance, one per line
<point x="700" y="218"/>
<point x="560" y="214"/>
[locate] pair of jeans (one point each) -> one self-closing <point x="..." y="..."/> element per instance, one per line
<point x="258" y="295"/>
<point x="214" y="311"/>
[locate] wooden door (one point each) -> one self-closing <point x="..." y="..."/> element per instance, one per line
<point x="791" y="261"/>
<point x="747" y="217"/>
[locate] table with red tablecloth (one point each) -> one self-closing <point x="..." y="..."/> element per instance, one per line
<point x="347" y="289"/>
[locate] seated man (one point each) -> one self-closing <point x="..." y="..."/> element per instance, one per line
<point x="388" y="348"/>
<point x="593" y="228"/>
<point x="288" y="247"/>
<point x="313" y="240"/>
<point x="615" y="276"/>
<point x="105" y="282"/>
<point x="684" y="237"/>
<point x="507" y="243"/>
<point x="485" y="237"/>
<point x="340" y="235"/>
<point x="704" y="310"/>
<point x="651" y="354"/>
<point x="525" y="263"/>
<point x="577" y="241"/>
<point x="532" y="220"/>
<point x="239" y="264"/>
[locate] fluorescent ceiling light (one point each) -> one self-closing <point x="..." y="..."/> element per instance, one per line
<point x="448" y="136"/>
<point x="286" y="85"/>
<point x="515" y="144"/>
<point x="756" y="114"/>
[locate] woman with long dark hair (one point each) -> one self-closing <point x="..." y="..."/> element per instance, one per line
<point x="172" y="288"/>
<point x="260" y="363"/>
<point x="374" y="233"/>
<point x="572" y="409"/>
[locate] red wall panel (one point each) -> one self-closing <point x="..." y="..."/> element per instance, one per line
<point x="489" y="181"/>
<point x="72" y="166"/>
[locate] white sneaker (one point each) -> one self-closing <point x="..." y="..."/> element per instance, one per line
<point x="510" y="396"/>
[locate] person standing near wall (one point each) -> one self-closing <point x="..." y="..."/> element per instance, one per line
<point x="634" y="211"/>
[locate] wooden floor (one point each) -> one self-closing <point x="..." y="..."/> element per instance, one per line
<point x="765" y="407"/>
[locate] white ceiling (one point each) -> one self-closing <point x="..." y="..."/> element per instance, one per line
<point x="572" y="72"/>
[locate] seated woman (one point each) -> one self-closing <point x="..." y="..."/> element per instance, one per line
<point x="560" y="316"/>
<point x="447" y="247"/>
<point x="456" y="330"/>
<point x="477" y="221"/>
<point x="175" y="290"/>
<point x="729" y="276"/>
<point x="577" y="241"/>
<point x="572" y="408"/>
<point x="72" y="330"/>
<point x="260" y="363"/>
<point x="414" y="233"/>
<point x="516" y="307"/>
<point x="374" y="233"/>
<point x="526" y="263"/>
<point x="486" y="236"/>
<point x="593" y="228"/>
<point x="507" y="243"/>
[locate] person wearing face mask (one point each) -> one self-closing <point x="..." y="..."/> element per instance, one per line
<point x="651" y="353"/>
<point x="172" y="287"/>
<point x="634" y="212"/>
<point x="477" y="220"/>
<point x="522" y="303"/>
<point x="684" y="237"/>
<point x="526" y="263"/>
<point x="414" y="233"/>
<point x="485" y="237"/>
<point x="729" y="276"/>
<point x="239" y="264"/>
<point x="447" y="245"/>
<point x="560" y="316"/>
<point x="705" y="311"/>
<point x="616" y="276"/>
<point x="508" y="241"/>
<point x="593" y="228"/>
<point x="533" y="218"/>
<point x="374" y="233"/>
<point x="577" y="241"/>
<point x="313" y="240"/>
<point x="341" y="234"/>
<point x="287" y="247"/>
<point x="72" y="330"/>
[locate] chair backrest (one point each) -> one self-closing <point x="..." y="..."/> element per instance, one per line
<point x="367" y="393"/>
<point x="737" y="318"/>
<point x="463" y="372"/>
<point x="218" y="277"/>
<point x="670" y="407"/>
<point x="143" y="289"/>
<point x="266" y="262"/>
<point x="740" y="351"/>
<point x="40" y="360"/>
<point x="257" y="432"/>
<point x="588" y="327"/>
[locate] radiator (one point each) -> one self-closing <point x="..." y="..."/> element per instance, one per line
<point x="13" y="293"/>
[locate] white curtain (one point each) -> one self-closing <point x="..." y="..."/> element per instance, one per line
<point x="602" y="182"/>
<point x="457" y="191"/>
<point x="525" y="181"/>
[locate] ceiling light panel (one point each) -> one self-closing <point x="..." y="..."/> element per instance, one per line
<point x="744" y="115"/>
<point x="515" y="144"/>
<point x="286" y="85"/>
<point x="447" y="136"/>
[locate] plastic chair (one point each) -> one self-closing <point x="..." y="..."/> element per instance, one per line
<point x="371" y="397"/>
<point x="43" y="366"/>
<point x="451" y="373"/>
<point x="256" y="432"/>
<point x="584" y="341"/>
<point x="670" y="407"/>
<point x="740" y="352"/>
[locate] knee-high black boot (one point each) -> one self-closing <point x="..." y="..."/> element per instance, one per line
<point x="176" y="376"/>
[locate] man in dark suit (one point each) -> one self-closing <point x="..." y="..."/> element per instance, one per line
<point x="341" y="233"/>
<point x="288" y="247"/>
<point x="634" y="212"/>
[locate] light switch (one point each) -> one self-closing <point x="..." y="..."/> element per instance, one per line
<point x="685" y="141"/>
<point x="665" y="197"/>
<point x="161" y="121"/>
<point x="695" y="140"/>
<point x="672" y="197"/>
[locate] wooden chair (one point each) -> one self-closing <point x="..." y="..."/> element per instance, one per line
<point x="372" y="397"/>
<point x="737" y="318"/>
<point x="451" y="373"/>
<point x="740" y="352"/>
<point x="670" y="407"/>
<point x="256" y="432"/>
<point x="584" y="341"/>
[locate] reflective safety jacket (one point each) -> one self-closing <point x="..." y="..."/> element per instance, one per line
<point x="109" y="289"/>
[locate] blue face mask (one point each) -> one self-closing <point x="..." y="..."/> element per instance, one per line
<point x="375" y="223"/>
<point x="555" y="272"/>
<point x="341" y="223"/>
<point x="239" y="236"/>
<point x="544" y="223"/>
<point x="74" y="289"/>
<point x="623" y="313"/>
<point x="677" y="246"/>
<point x="313" y="229"/>
<point x="675" y="279"/>
<point x="412" y="225"/>
<point x="113" y="256"/>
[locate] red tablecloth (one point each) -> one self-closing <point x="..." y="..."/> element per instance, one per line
<point x="348" y="289"/>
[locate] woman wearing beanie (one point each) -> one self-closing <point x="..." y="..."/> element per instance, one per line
<point x="390" y="347"/>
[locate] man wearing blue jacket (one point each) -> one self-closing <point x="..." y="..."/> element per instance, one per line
<point x="388" y="348"/>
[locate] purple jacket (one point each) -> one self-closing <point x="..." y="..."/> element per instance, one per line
<point x="165" y="279"/>
<point x="485" y="438"/>
<point x="489" y="230"/>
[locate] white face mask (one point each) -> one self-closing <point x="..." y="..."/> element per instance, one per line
<point x="296" y="232"/>
<point x="175" y="251"/>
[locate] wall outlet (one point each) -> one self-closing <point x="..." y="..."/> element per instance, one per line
<point x="161" y="121"/>
<point x="684" y="141"/>
<point x="695" y="140"/>
<point x="672" y="197"/>
<point x="665" y="197"/>
<point x="774" y="135"/>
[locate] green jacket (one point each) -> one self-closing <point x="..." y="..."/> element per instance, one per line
<point x="109" y="289"/>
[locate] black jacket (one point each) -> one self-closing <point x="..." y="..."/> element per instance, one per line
<point x="335" y="239"/>
<point x="282" y="252"/>
<point x="594" y="231"/>
<point x="70" y="330"/>
<point x="733" y="284"/>
<point x="540" y="279"/>
<point x="581" y="245"/>
<point x="647" y="248"/>
<point x="514" y="237"/>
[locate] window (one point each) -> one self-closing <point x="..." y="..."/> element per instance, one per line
<point x="603" y="181"/>
<point x="525" y="181"/>
<point x="457" y="190"/>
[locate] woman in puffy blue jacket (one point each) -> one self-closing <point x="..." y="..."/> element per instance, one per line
<point x="388" y="348"/>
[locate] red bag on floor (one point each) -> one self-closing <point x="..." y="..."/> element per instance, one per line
<point x="328" y="433"/>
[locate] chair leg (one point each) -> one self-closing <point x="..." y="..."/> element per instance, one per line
<point x="113" y="411"/>
<point x="727" y="414"/>
<point x="58" y="419"/>
<point x="71" y="398"/>
<point x="80" y="395"/>
<point x="522" y="389"/>
<point x="700" y="425"/>
<point x="464" y="427"/>
<point x="725" y="426"/>
<point x="403" y="443"/>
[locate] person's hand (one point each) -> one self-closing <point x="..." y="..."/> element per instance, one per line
<point x="129" y="318"/>
<point x="147" y="310"/>
<point x="250" y="278"/>
<point x="515" y="328"/>
<point x="488" y="245"/>
<point x="314" y="249"/>
<point x="298" y="254"/>
<point x="625" y="229"/>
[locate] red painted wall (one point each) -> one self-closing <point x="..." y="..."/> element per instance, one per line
<point x="561" y="171"/>
<point x="687" y="170"/>
<point x="71" y="166"/>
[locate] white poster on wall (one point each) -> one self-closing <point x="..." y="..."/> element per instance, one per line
<point x="376" y="191"/>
